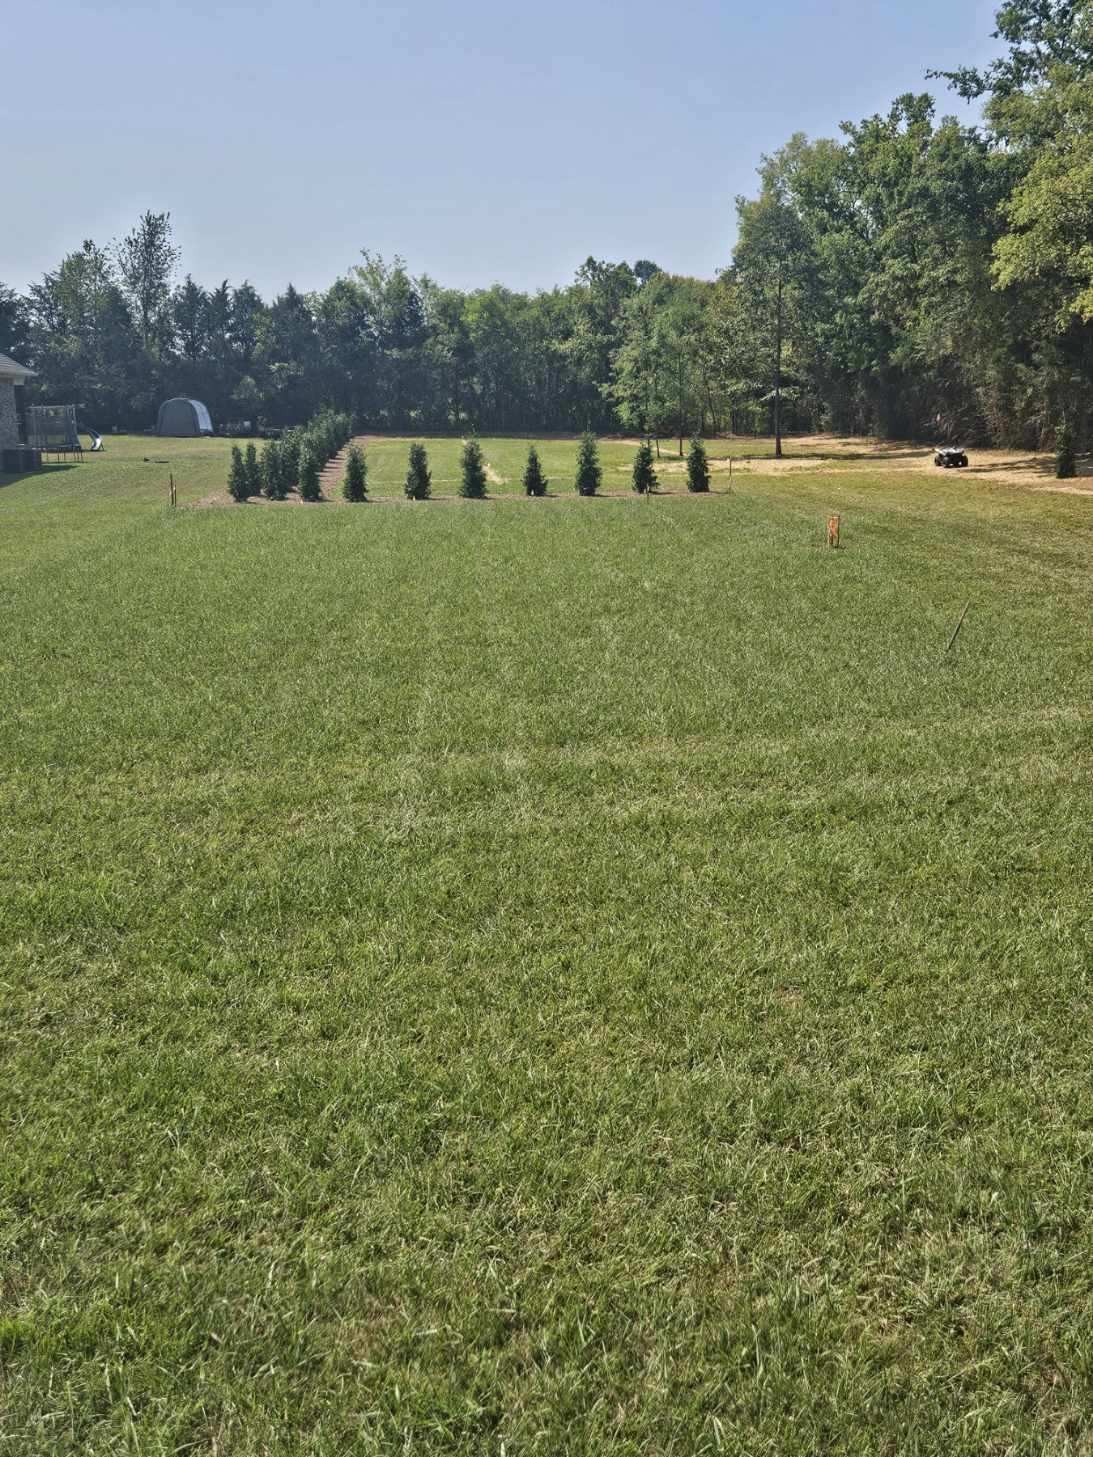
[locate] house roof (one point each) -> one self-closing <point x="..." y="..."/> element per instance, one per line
<point x="9" y="366"/>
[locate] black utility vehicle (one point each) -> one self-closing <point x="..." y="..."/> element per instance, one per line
<point x="949" y="456"/>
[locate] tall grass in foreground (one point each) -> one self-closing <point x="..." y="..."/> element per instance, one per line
<point x="588" y="980"/>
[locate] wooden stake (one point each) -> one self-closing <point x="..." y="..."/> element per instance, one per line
<point x="833" y="523"/>
<point x="959" y="625"/>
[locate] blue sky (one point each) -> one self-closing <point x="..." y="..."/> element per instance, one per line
<point x="484" y="141"/>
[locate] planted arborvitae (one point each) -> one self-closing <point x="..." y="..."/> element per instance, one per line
<point x="535" y="483"/>
<point x="237" y="476"/>
<point x="589" y="474"/>
<point x="252" y="469"/>
<point x="355" y="485"/>
<point x="645" y="477"/>
<point x="270" y="469"/>
<point x="698" y="467"/>
<point x="310" y="466"/>
<point x="473" y="484"/>
<point x="419" y="483"/>
<point x="290" y="460"/>
<point x="1065" y="463"/>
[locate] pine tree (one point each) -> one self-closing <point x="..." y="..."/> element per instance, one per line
<point x="310" y="466"/>
<point x="237" y="476"/>
<point x="698" y="467"/>
<point x="589" y="474"/>
<point x="254" y="474"/>
<point x="355" y="485"/>
<point x="1065" y="464"/>
<point x="418" y="480"/>
<point x="473" y="485"/>
<point x="535" y="483"/>
<point x="645" y="477"/>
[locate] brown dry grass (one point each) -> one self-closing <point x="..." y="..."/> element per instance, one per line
<point x="1034" y="469"/>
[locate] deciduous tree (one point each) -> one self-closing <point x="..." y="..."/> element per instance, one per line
<point x="146" y="259"/>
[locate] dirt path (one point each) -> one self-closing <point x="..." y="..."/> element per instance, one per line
<point x="333" y="473"/>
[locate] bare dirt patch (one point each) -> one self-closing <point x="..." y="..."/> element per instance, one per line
<point x="826" y="453"/>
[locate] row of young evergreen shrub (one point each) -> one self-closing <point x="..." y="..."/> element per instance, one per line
<point x="589" y="475"/>
<point x="293" y="462"/>
<point x="299" y="456"/>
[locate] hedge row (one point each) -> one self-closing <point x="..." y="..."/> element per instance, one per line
<point x="294" y="461"/>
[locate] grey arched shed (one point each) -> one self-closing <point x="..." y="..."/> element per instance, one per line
<point x="183" y="417"/>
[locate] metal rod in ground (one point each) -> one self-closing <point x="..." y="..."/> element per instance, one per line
<point x="959" y="625"/>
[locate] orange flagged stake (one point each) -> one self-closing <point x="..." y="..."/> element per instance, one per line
<point x="833" y="523"/>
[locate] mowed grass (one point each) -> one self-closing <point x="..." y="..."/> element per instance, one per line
<point x="68" y="505"/>
<point x="591" y="977"/>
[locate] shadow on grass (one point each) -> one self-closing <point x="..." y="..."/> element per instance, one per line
<point x="877" y="455"/>
<point x="1038" y="465"/>
<point x="44" y="470"/>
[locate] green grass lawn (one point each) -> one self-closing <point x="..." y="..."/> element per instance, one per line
<point x="594" y="977"/>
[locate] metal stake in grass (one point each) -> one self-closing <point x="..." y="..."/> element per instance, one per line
<point x="172" y="495"/>
<point x="959" y="625"/>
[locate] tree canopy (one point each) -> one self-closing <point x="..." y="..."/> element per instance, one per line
<point x="914" y="276"/>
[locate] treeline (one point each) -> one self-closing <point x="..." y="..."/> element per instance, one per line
<point x="923" y="277"/>
<point x="915" y="277"/>
<point x="108" y="330"/>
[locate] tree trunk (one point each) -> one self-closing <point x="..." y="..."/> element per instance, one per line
<point x="680" y="384"/>
<point x="778" y="376"/>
